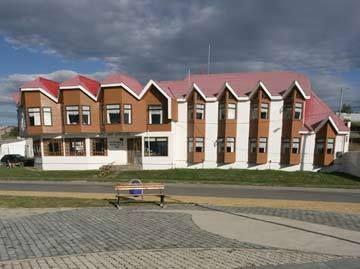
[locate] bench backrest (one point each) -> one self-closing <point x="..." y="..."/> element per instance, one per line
<point x="143" y="186"/>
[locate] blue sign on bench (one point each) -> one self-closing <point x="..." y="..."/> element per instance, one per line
<point x="136" y="192"/>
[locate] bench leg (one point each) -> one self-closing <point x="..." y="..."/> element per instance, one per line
<point x="118" y="202"/>
<point x="162" y="200"/>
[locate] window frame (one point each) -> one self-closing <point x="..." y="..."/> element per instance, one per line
<point x="158" y="109"/>
<point x="264" y="106"/>
<point x="147" y="145"/>
<point x="200" y="110"/>
<point x="265" y="141"/>
<point x="190" y="145"/>
<point x="300" y="112"/>
<point x="222" y="111"/>
<point x="108" y="109"/>
<point x="220" y="145"/>
<point x="201" y="142"/>
<point x="87" y="109"/>
<point x="230" y="143"/>
<point x="50" y="143"/>
<point x="37" y="148"/>
<point x="67" y="109"/>
<point x="253" y="145"/>
<point x="295" y="141"/>
<point x="287" y="111"/>
<point x="34" y="113"/>
<point x="286" y="146"/>
<point x="234" y="109"/>
<point x="49" y="112"/>
<point x="333" y="146"/>
<point x="254" y="113"/>
<point x="72" y="153"/>
<point x="127" y="109"/>
<point x="320" y="141"/>
<point x="93" y="142"/>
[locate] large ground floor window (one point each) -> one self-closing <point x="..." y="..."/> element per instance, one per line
<point x="156" y="146"/>
<point x="98" y="146"/>
<point x="53" y="147"/>
<point x="75" y="147"/>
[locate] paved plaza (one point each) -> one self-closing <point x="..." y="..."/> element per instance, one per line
<point x="139" y="237"/>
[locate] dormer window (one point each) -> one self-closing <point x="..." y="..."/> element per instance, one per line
<point x="298" y="111"/>
<point x="34" y="116"/>
<point x="155" y="114"/>
<point x="72" y="115"/>
<point x="264" y="111"/>
<point x="200" y="111"/>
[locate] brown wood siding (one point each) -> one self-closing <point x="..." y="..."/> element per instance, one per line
<point x="227" y="128"/>
<point x="291" y="127"/>
<point x="77" y="97"/>
<point x="259" y="128"/>
<point x="196" y="127"/>
<point x="39" y="100"/>
<point x="326" y="132"/>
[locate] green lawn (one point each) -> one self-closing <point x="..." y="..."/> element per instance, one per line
<point x="45" y="202"/>
<point x="230" y="176"/>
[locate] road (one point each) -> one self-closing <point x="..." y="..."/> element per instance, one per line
<point x="218" y="190"/>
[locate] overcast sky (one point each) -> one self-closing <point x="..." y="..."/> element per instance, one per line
<point x="162" y="39"/>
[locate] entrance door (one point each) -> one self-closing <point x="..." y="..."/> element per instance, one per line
<point x="134" y="150"/>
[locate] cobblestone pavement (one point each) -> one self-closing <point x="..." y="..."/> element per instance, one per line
<point x="344" y="221"/>
<point x="129" y="238"/>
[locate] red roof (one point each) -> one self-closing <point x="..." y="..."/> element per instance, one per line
<point x="50" y="86"/>
<point x="316" y="111"/>
<point x="91" y="85"/>
<point x="129" y="81"/>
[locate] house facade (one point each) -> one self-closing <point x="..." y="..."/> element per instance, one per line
<point x="261" y="120"/>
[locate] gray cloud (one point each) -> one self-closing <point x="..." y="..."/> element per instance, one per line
<point x="162" y="39"/>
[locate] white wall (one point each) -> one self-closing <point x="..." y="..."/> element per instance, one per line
<point x="211" y="134"/>
<point x="180" y="137"/>
<point x="275" y="131"/>
<point x="242" y="134"/>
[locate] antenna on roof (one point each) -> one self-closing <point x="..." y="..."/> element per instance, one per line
<point x="209" y="59"/>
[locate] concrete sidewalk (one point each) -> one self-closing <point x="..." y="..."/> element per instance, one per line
<point x="278" y="232"/>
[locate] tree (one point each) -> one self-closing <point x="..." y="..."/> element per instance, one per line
<point x="346" y="108"/>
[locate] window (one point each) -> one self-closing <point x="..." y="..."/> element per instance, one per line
<point x="155" y="114"/>
<point x="298" y="111"/>
<point x="75" y="147"/>
<point x="262" y="145"/>
<point x="287" y="111"/>
<point x="72" y="115"/>
<point x="156" y="146"/>
<point x="330" y="146"/>
<point x="85" y="115"/>
<point x="231" y="111"/>
<point x="98" y="146"/>
<point x="127" y="114"/>
<point x="199" y="144"/>
<point x="200" y="111"/>
<point x="47" y="118"/>
<point x="221" y="146"/>
<point x="296" y="145"/>
<point x="37" y="148"/>
<point x="264" y="111"/>
<point x="319" y="147"/>
<point x="190" y="144"/>
<point x="253" y="145"/>
<point x="254" y="111"/>
<point x="286" y="146"/>
<point x="112" y="114"/>
<point x="222" y="112"/>
<point x="34" y="116"/>
<point x="230" y="144"/>
<point x="53" y="147"/>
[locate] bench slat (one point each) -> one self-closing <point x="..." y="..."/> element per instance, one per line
<point x="149" y="186"/>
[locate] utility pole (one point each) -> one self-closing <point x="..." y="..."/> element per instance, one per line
<point x="341" y="100"/>
<point x="209" y="59"/>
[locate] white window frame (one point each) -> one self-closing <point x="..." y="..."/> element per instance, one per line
<point x="113" y="109"/>
<point x="298" y="111"/>
<point x="200" y="110"/>
<point x="254" y="111"/>
<point x="147" y="145"/>
<point x="230" y="144"/>
<point x="72" y="110"/>
<point x="85" y="111"/>
<point x="190" y="144"/>
<point x="295" y="148"/>
<point x="199" y="143"/>
<point x="128" y="111"/>
<point x="264" y="109"/>
<point x="35" y="112"/>
<point x="231" y="111"/>
<point x="262" y="145"/>
<point x="155" y="110"/>
<point x="330" y="141"/>
<point x="47" y="116"/>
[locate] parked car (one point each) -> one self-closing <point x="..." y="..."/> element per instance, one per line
<point x="11" y="160"/>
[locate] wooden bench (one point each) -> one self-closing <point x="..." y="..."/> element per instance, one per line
<point x="143" y="187"/>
